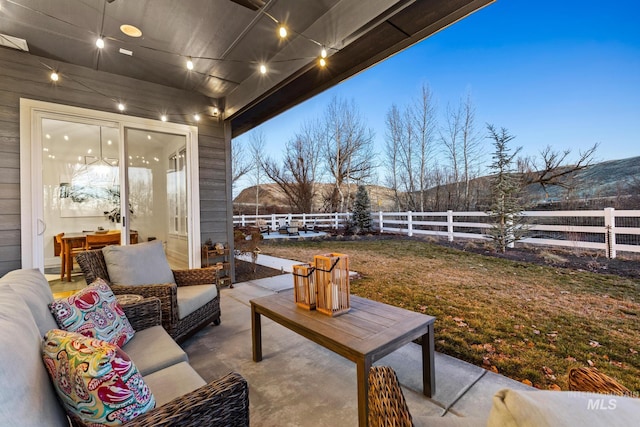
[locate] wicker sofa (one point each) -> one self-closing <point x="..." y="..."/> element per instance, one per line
<point x="27" y="397"/>
<point x="171" y="295"/>
<point x="595" y="400"/>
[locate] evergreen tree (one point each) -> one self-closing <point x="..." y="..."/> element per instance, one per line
<point x="361" y="218"/>
<point x="505" y="210"/>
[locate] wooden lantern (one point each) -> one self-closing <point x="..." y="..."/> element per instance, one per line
<point x="332" y="283"/>
<point x="304" y="287"/>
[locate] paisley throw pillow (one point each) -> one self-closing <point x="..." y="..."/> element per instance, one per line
<point x="96" y="381"/>
<point x="94" y="312"/>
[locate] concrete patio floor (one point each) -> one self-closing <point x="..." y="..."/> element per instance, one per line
<point x="299" y="383"/>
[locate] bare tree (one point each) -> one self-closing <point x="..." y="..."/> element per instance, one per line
<point x="470" y="142"/>
<point x="297" y="176"/>
<point x="552" y="169"/>
<point x="348" y="150"/>
<point x="450" y="137"/>
<point x="392" y="148"/>
<point x="424" y="120"/>
<point x="409" y="147"/>
<point x="257" y="174"/>
<point x="240" y="162"/>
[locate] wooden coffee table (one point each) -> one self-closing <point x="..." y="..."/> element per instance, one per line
<point x="368" y="332"/>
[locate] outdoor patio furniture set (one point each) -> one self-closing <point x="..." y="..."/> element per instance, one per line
<point x="147" y="373"/>
<point x="292" y="228"/>
<point x="149" y="364"/>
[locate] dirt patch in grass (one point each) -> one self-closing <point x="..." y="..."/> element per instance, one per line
<point x="530" y="318"/>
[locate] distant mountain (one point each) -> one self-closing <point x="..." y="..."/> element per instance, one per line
<point x="272" y="199"/>
<point x="613" y="179"/>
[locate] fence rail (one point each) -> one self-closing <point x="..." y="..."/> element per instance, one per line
<point x="607" y="230"/>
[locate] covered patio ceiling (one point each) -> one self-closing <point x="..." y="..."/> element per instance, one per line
<point x="227" y="42"/>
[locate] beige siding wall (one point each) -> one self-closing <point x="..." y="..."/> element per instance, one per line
<point x="24" y="76"/>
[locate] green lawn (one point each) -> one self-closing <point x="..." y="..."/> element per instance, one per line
<point x="528" y="322"/>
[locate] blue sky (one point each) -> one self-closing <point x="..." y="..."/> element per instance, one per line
<point x="564" y="73"/>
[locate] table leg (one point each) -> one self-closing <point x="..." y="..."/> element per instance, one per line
<point x="256" y="334"/>
<point x="428" y="365"/>
<point x="363" y="368"/>
<point x="69" y="258"/>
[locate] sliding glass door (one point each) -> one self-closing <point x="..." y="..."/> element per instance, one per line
<point x="157" y="175"/>
<point x="91" y="172"/>
<point x="80" y="182"/>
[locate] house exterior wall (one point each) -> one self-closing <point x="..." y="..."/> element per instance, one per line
<point x="23" y="75"/>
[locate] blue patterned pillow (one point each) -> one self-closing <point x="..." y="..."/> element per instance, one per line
<point x="94" y="312"/>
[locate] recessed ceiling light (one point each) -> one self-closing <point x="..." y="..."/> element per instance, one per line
<point x="130" y="30"/>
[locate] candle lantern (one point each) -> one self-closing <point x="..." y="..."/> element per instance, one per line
<point x="332" y="283"/>
<point x="304" y="288"/>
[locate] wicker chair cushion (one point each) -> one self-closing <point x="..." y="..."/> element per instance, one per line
<point x="153" y="349"/>
<point x="560" y="409"/>
<point x="191" y="298"/>
<point x="34" y="289"/>
<point x="96" y="381"/>
<point x="140" y="264"/>
<point x="94" y="312"/>
<point x="174" y="381"/>
<point x="26" y="394"/>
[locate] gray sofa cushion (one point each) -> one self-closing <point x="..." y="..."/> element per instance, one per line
<point x="27" y="397"/>
<point x="140" y="264"/>
<point x="513" y="408"/>
<point x="34" y="289"/>
<point x="153" y="349"/>
<point x="191" y="298"/>
<point x="174" y="381"/>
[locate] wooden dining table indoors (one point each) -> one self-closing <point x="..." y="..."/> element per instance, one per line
<point x="75" y="240"/>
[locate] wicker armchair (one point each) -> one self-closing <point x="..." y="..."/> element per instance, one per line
<point x="592" y="380"/>
<point x="387" y="406"/>
<point x="223" y="402"/>
<point x="93" y="266"/>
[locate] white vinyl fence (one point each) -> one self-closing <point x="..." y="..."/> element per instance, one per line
<point x="607" y="230"/>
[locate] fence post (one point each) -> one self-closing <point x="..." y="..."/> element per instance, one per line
<point x="380" y="219"/>
<point x="409" y="224"/>
<point x="242" y="221"/>
<point x="273" y="222"/>
<point x="336" y="220"/>
<point x="304" y="219"/>
<point x="450" y="225"/>
<point x="610" y="232"/>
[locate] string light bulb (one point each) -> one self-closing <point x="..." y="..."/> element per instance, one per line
<point x="263" y="69"/>
<point x="54" y="76"/>
<point x="100" y="43"/>
<point x="163" y="118"/>
<point x="323" y="62"/>
<point x="323" y="52"/>
<point x="189" y="64"/>
<point x="120" y="106"/>
<point x="196" y="117"/>
<point x="282" y="31"/>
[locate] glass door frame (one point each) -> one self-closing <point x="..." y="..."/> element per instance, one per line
<point x="31" y="160"/>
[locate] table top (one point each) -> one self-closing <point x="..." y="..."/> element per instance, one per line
<point x="82" y="235"/>
<point x="369" y="328"/>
